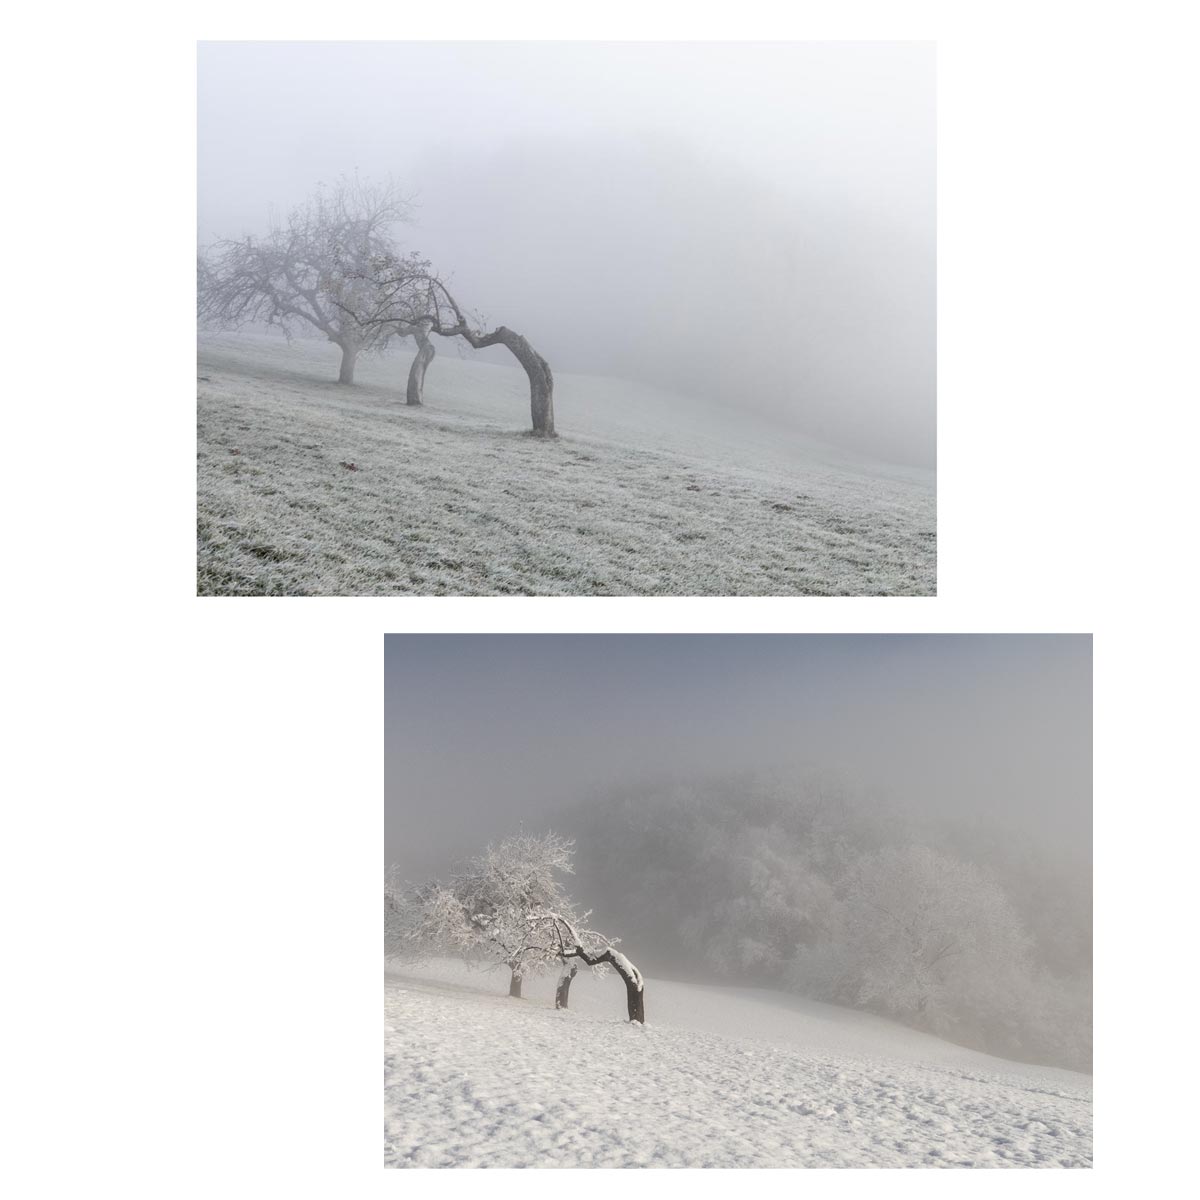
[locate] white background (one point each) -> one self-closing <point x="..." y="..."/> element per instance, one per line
<point x="194" y="811"/>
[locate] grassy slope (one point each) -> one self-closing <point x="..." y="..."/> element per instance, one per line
<point x="643" y="494"/>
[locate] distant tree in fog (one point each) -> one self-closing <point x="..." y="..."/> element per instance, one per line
<point x="419" y="921"/>
<point x="924" y="937"/>
<point x="313" y="270"/>
<point x="735" y="876"/>
<point x="763" y="904"/>
<point x="770" y="881"/>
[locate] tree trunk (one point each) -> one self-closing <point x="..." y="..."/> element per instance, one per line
<point x="635" y="1001"/>
<point x="541" y="383"/>
<point x="541" y="379"/>
<point x="514" y="986"/>
<point x="349" y="356"/>
<point x="416" y="373"/>
<point x="635" y="993"/>
<point x="563" y="993"/>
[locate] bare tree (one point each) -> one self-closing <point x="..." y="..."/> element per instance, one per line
<point x="419" y="332"/>
<point x="410" y="297"/>
<point x="312" y="270"/>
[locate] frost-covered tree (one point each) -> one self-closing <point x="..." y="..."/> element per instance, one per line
<point x="749" y="874"/>
<point x="514" y="896"/>
<point x="421" y="920"/>
<point x="508" y="905"/>
<point x="921" y="936"/>
<point x="312" y="270"/>
<point x="503" y="890"/>
<point x="569" y="942"/>
<point x="765" y="903"/>
<point x="730" y="874"/>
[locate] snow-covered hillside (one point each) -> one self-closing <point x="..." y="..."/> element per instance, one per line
<point x="309" y="488"/>
<point x="720" y="1077"/>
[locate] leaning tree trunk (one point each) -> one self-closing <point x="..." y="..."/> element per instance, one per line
<point x="541" y="379"/>
<point x="635" y="1001"/>
<point x="541" y="383"/>
<point x="514" y="984"/>
<point x="416" y="373"/>
<point x="563" y="992"/>
<point x="635" y="990"/>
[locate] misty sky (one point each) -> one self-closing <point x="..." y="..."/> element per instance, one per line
<point x="749" y="222"/>
<point x="484" y="732"/>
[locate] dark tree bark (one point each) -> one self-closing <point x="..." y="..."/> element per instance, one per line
<point x="541" y="380"/>
<point x="635" y="1001"/>
<point x="416" y="373"/>
<point x="563" y="992"/>
<point x="349" y="358"/>
<point x="514" y="985"/>
<point x="635" y="996"/>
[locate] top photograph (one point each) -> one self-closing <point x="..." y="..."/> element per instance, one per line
<point x="566" y="319"/>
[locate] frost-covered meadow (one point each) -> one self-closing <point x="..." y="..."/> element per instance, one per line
<point x="718" y="1076"/>
<point x="307" y="487"/>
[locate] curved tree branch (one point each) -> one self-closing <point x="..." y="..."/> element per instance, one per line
<point x="411" y="297"/>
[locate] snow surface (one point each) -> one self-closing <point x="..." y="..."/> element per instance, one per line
<point x="719" y="1077"/>
<point x="306" y="487"/>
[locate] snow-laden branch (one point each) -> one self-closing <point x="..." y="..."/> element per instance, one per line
<point x="509" y="905"/>
<point x="596" y="950"/>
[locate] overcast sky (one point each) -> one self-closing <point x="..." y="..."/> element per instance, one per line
<point x="754" y="222"/>
<point x="486" y="732"/>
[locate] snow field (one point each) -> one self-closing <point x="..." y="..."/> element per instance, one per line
<point x="719" y="1077"/>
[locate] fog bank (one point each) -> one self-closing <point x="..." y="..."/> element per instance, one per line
<point x="749" y="222"/>
<point x="486" y="732"/>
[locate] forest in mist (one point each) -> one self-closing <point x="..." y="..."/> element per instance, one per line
<point x="793" y="882"/>
<point x="979" y="935"/>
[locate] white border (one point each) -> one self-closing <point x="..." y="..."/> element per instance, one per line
<point x="196" y="801"/>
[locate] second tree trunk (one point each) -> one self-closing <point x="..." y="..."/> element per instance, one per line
<point x="349" y="357"/>
<point x="416" y="373"/>
<point x="563" y="992"/>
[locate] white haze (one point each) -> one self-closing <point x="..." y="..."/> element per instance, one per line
<point x="744" y="808"/>
<point x="753" y="223"/>
<point x="486" y="732"/>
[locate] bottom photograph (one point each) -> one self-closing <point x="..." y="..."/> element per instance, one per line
<point x="738" y="901"/>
